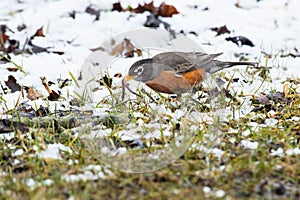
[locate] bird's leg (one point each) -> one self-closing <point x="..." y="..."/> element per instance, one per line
<point x="125" y="85"/>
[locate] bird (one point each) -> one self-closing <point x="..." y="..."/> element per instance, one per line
<point x="177" y="72"/>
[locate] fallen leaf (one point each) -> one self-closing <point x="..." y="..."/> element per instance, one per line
<point x="240" y="41"/>
<point x="238" y="5"/>
<point x="21" y="27"/>
<point x="32" y="94"/>
<point x="4" y="58"/>
<point x="12" y="84"/>
<point x="50" y="83"/>
<point x="93" y="10"/>
<point x="294" y="55"/>
<point x="97" y="49"/>
<point x="12" y="69"/>
<point x="166" y="10"/>
<point x="80" y="76"/>
<point x="126" y="48"/>
<point x="117" y="7"/>
<point x="227" y="93"/>
<point x="3" y="36"/>
<point x="118" y="75"/>
<point x="36" y="49"/>
<point x="146" y="7"/>
<point x="152" y="21"/>
<point x="117" y="50"/>
<point x="13" y="46"/>
<point x="106" y="81"/>
<point x="220" y="30"/>
<point x="72" y="14"/>
<point x="42" y="111"/>
<point x="39" y="33"/>
<point x="53" y="96"/>
<point x="191" y="32"/>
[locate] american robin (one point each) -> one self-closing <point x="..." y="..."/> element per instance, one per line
<point x="177" y="72"/>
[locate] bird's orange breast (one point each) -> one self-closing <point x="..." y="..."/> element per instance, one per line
<point x="168" y="82"/>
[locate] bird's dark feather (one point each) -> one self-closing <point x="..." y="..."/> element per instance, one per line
<point x="182" y="62"/>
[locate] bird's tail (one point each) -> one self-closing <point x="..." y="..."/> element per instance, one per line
<point x="217" y="65"/>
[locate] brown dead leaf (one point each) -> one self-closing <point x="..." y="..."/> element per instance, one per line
<point x="32" y="94"/>
<point x="13" y="46"/>
<point x="117" y="50"/>
<point x="238" y="5"/>
<point x="166" y="10"/>
<point x="12" y="69"/>
<point x="53" y="96"/>
<point x="12" y="84"/>
<point x="117" y="6"/>
<point x="128" y="45"/>
<point x="118" y="75"/>
<point x="97" y="49"/>
<point x="220" y="30"/>
<point x="39" y="33"/>
<point x="42" y="111"/>
<point x="126" y="48"/>
<point x="146" y="7"/>
<point x="3" y="36"/>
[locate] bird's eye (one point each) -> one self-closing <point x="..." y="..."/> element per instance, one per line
<point x="139" y="70"/>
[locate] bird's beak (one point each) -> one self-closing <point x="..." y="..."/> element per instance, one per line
<point x="128" y="78"/>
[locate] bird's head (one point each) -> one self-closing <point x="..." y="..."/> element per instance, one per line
<point x="143" y="70"/>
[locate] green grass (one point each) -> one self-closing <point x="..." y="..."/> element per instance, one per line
<point x="240" y="172"/>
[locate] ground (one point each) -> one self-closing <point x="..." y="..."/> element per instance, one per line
<point x="242" y="135"/>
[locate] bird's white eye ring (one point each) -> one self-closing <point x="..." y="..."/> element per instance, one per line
<point x="139" y="70"/>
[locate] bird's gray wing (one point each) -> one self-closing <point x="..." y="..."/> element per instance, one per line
<point x="183" y="62"/>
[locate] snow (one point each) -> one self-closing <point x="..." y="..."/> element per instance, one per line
<point x="277" y="152"/>
<point x="206" y="189"/>
<point x="53" y="151"/>
<point x="217" y="152"/>
<point x="7" y="136"/>
<point x="271" y="122"/>
<point x="90" y="172"/>
<point x="294" y="151"/>
<point x="249" y="144"/>
<point x="18" y="152"/>
<point x="220" y="193"/>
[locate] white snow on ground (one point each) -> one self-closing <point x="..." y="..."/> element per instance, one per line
<point x="249" y="144"/>
<point x="53" y="151"/>
<point x="90" y="172"/>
